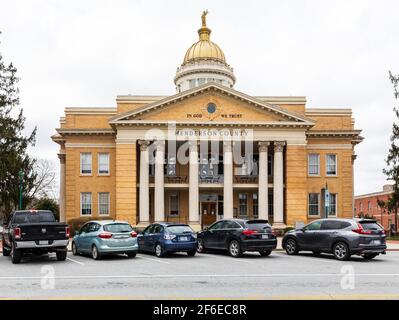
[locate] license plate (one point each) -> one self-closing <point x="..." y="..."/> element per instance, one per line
<point x="183" y="238"/>
<point x="376" y="242"/>
<point x="265" y="236"/>
<point x="43" y="242"/>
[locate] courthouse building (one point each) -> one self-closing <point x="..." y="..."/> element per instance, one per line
<point x="206" y="152"/>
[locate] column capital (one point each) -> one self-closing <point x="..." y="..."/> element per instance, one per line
<point x="193" y="144"/>
<point x="62" y="157"/>
<point x="227" y="146"/>
<point x="263" y="145"/>
<point x="279" y="146"/>
<point x="143" y="144"/>
<point x="159" y="144"/>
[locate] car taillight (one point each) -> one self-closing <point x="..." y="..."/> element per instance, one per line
<point x="17" y="233"/>
<point x="105" y="235"/>
<point x="67" y="234"/>
<point x="248" y="232"/>
<point x="360" y="230"/>
<point x="133" y="234"/>
<point x="169" y="236"/>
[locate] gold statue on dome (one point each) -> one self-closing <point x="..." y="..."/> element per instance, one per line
<point x="203" y="17"/>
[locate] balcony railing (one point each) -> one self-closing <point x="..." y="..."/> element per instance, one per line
<point x="176" y="179"/>
<point x="211" y="179"/>
<point x="246" y="179"/>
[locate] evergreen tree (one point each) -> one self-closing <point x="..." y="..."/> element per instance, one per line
<point x="14" y="157"/>
<point x="392" y="160"/>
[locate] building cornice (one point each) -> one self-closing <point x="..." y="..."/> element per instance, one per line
<point x="91" y="111"/>
<point x="247" y="124"/>
<point x="373" y="194"/>
<point x="96" y="132"/>
<point x="328" y="112"/>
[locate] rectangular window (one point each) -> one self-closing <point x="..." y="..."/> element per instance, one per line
<point x="314" y="204"/>
<point x="333" y="205"/>
<point x="85" y="163"/>
<point x="269" y="165"/>
<point x="369" y="204"/>
<point x="255" y="205"/>
<point x="85" y="203"/>
<point x="103" y="203"/>
<point x="314" y="164"/>
<point x="174" y="204"/>
<point x="103" y="163"/>
<point x="331" y="164"/>
<point x="243" y="204"/>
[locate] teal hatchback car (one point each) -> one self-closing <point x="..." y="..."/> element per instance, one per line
<point x="99" y="238"/>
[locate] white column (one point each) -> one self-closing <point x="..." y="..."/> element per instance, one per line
<point x="263" y="208"/>
<point x="159" y="212"/>
<point x="144" y="191"/>
<point x="61" y="156"/>
<point x="227" y="180"/>
<point x="193" y="215"/>
<point x="278" y="190"/>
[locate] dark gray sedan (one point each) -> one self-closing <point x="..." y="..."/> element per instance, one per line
<point x="341" y="237"/>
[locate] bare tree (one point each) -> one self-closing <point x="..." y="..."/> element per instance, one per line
<point x="44" y="186"/>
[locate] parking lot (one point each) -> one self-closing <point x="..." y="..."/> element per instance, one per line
<point x="204" y="276"/>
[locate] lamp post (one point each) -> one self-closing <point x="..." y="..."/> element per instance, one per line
<point x="21" y="178"/>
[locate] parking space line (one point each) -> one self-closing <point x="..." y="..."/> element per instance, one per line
<point x="151" y="259"/>
<point x="75" y="261"/>
<point x="196" y="276"/>
<point x="232" y="259"/>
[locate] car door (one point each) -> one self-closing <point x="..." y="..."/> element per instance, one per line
<point x="7" y="231"/>
<point x="226" y="232"/>
<point x="211" y="235"/>
<point x="148" y="238"/>
<point x="141" y="238"/>
<point x="325" y="236"/>
<point x="91" y="234"/>
<point x="154" y="237"/>
<point x="306" y="238"/>
<point x="82" y="240"/>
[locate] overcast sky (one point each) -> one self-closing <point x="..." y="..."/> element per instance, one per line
<point x="84" y="53"/>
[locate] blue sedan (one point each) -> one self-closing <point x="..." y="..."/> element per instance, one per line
<point x="164" y="238"/>
<point x="99" y="238"/>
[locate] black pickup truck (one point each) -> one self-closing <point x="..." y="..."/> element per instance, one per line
<point x="34" y="231"/>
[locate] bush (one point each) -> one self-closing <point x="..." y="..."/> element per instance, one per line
<point x="76" y="223"/>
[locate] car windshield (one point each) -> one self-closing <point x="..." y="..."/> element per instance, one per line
<point x="118" y="228"/>
<point x="179" y="229"/>
<point x="34" y="217"/>
<point x="257" y="224"/>
<point x="371" y="225"/>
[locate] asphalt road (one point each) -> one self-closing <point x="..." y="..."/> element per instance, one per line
<point x="211" y="276"/>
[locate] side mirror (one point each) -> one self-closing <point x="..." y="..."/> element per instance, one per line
<point x="303" y="229"/>
<point x="77" y="232"/>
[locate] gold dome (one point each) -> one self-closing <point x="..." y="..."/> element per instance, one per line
<point x="204" y="48"/>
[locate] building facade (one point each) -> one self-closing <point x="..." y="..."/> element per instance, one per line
<point x="372" y="205"/>
<point x="206" y="152"/>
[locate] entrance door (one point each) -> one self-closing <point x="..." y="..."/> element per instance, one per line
<point x="208" y="213"/>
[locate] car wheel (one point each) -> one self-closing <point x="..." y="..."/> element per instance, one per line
<point x="316" y="253"/>
<point x="159" y="252"/>
<point x="75" y="251"/>
<point x="191" y="253"/>
<point x="16" y="255"/>
<point x="61" y="255"/>
<point x="369" y="256"/>
<point x="265" y="253"/>
<point x="201" y="246"/>
<point x="6" y="251"/>
<point x="341" y="251"/>
<point x="94" y="253"/>
<point x="291" y="247"/>
<point x="131" y="254"/>
<point x="235" y="249"/>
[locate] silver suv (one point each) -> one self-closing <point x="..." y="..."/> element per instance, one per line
<point x="341" y="237"/>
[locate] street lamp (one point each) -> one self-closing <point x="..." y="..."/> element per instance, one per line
<point x="21" y="179"/>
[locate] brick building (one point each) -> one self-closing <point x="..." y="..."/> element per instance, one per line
<point x="367" y="205"/>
